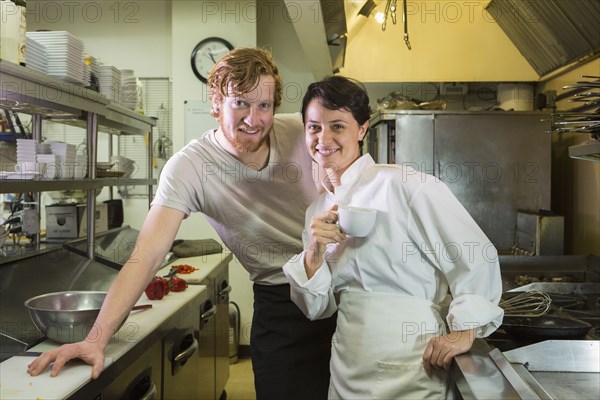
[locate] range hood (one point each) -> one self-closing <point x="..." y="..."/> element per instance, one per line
<point x="322" y="32"/>
<point x="550" y="33"/>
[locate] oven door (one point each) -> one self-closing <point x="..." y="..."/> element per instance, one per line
<point x="141" y="380"/>
<point x="184" y="368"/>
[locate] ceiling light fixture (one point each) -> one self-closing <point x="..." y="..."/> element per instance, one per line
<point x="381" y="17"/>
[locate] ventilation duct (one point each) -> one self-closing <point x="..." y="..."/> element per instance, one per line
<point x="550" y="33"/>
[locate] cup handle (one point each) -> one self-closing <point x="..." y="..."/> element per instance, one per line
<point x="330" y="221"/>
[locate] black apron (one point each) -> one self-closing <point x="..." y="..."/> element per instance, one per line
<point x="290" y="354"/>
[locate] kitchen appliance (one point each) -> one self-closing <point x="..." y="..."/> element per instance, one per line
<point x="70" y="221"/>
<point x="234" y="332"/>
<point x="218" y="289"/>
<point x="187" y="353"/>
<point x="573" y="284"/>
<point x="495" y="163"/>
<point x="114" y="213"/>
<point x="539" y="233"/>
<point x="142" y="379"/>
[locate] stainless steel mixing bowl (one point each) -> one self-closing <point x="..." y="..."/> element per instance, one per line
<point x="66" y="317"/>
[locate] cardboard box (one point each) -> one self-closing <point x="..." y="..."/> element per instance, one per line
<point x="70" y="221"/>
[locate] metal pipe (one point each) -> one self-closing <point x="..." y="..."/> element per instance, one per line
<point x="36" y="128"/>
<point x="92" y="142"/>
<point x="149" y="172"/>
<point x="110" y="154"/>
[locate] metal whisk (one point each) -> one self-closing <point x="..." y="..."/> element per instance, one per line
<point x="527" y="304"/>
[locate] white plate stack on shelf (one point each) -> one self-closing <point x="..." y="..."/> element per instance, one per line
<point x="129" y="89"/>
<point x="51" y="170"/>
<point x="64" y="52"/>
<point x="37" y="57"/>
<point x="48" y="160"/>
<point x="26" y="153"/>
<point x="65" y="159"/>
<point x="110" y="82"/>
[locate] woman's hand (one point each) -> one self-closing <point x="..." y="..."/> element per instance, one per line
<point x="91" y="353"/>
<point x="442" y="349"/>
<point x="323" y="230"/>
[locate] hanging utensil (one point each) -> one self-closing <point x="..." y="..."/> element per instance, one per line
<point x="526" y="304"/>
<point x="405" y="20"/>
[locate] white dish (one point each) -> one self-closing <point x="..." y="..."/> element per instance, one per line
<point x="104" y="166"/>
<point x="19" y="175"/>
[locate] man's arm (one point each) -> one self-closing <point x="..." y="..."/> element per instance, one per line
<point x="153" y="243"/>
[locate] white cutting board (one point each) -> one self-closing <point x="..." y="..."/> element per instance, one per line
<point x="74" y="375"/>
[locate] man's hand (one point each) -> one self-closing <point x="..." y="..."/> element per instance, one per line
<point x="442" y="349"/>
<point x="91" y="353"/>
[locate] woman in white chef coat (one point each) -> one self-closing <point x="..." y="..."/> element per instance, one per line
<point x="391" y="341"/>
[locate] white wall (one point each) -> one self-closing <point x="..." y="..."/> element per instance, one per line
<point x="127" y="34"/>
<point x="193" y="21"/>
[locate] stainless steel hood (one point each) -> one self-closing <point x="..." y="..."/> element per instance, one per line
<point x="550" y="33"/>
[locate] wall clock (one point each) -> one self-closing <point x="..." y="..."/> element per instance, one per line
<point x="206" y="54"/>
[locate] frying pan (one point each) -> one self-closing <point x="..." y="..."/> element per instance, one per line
<point x="546" y="327"/>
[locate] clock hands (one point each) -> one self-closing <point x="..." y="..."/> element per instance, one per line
<point x="211" y="56"/>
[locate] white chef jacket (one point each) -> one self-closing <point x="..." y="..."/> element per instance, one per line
<point x="424" y="244"/>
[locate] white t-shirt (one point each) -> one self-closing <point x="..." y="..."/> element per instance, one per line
<point x="259" y="215"/>
<point x="423" y="244"/>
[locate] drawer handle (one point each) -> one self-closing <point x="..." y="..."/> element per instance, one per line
<point x="150" y="394"/>
<point x="209" y="313"/>
<point x="223" y="292"/>
<point x="187" y="353"/>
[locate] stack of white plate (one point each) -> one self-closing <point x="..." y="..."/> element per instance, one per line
<point x="43" y="148"/>
<point x="37" y="57"/>
<point x="26" y="151"/>
<point x="65" y="159"/>
<point x="51" y="171"/>
<point x="129" y="89"/>
<point x="110" y="82"/>
<point x="64" y="53"/>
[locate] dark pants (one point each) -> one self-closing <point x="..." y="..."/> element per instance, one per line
<point x="290" y="354"/>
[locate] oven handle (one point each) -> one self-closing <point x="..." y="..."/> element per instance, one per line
<point x="187" y="353"/>
<point x="224" y="292"/>
<point x="150" y="394"/>
<point x="208" y="313"/>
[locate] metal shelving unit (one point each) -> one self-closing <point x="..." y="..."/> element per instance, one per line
<point x="44" y="97"/>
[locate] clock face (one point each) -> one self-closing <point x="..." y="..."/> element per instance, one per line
<point x="206" y="54"/>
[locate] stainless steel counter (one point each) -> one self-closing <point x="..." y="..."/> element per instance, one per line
<point x="476" y="376"/>
<point x="53" y="271"/>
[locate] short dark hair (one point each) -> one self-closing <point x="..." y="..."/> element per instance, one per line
<point x="338" y="92"/>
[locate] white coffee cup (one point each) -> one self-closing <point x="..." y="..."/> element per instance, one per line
<point x="356" y="221"/>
